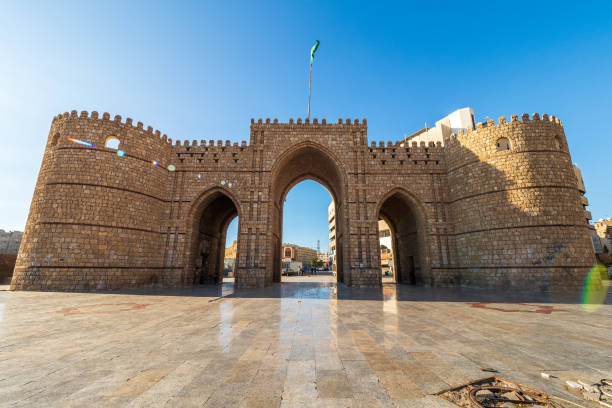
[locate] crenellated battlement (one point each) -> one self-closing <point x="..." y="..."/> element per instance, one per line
<point x="391" y="154"/>
<point x="306" y="122"/>
<point x="211" y="153"/>
<point x="514" y="121"/>
<point x="203" y="145"/>
<point x="106" y="118"/>
<point x="490" y="139"/>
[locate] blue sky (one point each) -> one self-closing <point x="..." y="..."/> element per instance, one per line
<point x="202" y="70"/>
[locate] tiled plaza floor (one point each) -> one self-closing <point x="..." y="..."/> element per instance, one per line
<point x="294" y="344"/>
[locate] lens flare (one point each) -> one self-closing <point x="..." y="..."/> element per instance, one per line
<point x="155" y="163"/>
<point x="231" y="185"/>
<point x="70" y="139"/>
<point x="171" y="167"/>
<point x="200" y="176"/>
<point x="222" y="182"/>
<point x="595" y="288"/>
<point x="120" y="153"/>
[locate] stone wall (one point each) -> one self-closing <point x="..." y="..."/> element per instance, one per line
<point x="519" y="221"/>
<point x="460" y="214"/>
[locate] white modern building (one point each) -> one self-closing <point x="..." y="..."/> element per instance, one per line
<point x="460" y="119"/>
<point x="331" y="217"/>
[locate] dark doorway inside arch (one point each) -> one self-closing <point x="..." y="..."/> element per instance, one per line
<point x="208" y="249"/>
<point x="308" y="235"/>
<point x="405" y="239"/>
<point x="308" y="161"/>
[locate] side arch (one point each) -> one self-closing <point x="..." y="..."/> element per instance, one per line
<point x="405" y="214"/>
<point x="205" y="228"/>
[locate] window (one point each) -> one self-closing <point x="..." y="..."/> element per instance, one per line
<point x="55" y="139"/>
<point x="503" y="144"/>
<point x="557" y="143"/>
<point x="112" y="143"/>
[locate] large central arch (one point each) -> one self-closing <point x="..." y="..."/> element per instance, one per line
<point x="306" y="160"/>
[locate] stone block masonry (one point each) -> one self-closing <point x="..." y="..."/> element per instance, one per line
<point x="496" y="206"/>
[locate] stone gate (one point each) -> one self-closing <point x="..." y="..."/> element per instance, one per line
<point x="461" y="212"/>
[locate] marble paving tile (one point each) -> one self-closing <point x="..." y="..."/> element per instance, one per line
<point x="299" y="344"/>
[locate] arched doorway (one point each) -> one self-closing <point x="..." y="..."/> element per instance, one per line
<point x="409" y="251"/>
<point x="213" y="212"/>
<point x="306" y="237"/>
<point x="306" y="161"/>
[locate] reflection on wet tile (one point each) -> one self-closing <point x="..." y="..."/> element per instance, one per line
<point x="290" y="345"/>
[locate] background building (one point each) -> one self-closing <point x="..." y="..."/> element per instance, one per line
<point x="602" y="240"/>
<point x="323" y="257"/>
<point x="584" y="201"/>
<point x="461" y="119"/>
<point x="9" y="246"/>
<point x="386" y="248"/>
<point x="230" y="259"/>
<point x="9" y="241"/>
<point x="292" y="252"/>
<point x="331" y="217"/>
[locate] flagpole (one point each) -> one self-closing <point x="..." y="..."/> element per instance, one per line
<point x="309" y="82"/>
<point x="312" y="51"/>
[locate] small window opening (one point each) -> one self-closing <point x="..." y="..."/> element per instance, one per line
<point x="557" y="143"/>
<point x="112" y="143"/>
<point x="55" y="139"/>
<point x="503" y="144"/>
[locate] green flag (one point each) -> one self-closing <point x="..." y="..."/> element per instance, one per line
<point x="312" y="51"/>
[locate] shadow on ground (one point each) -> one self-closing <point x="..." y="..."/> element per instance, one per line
<point x="339" y="291"/>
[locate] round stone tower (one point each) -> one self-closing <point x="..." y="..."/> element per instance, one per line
<point x="95" y="219"/>
<point x="518" y="217"/>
